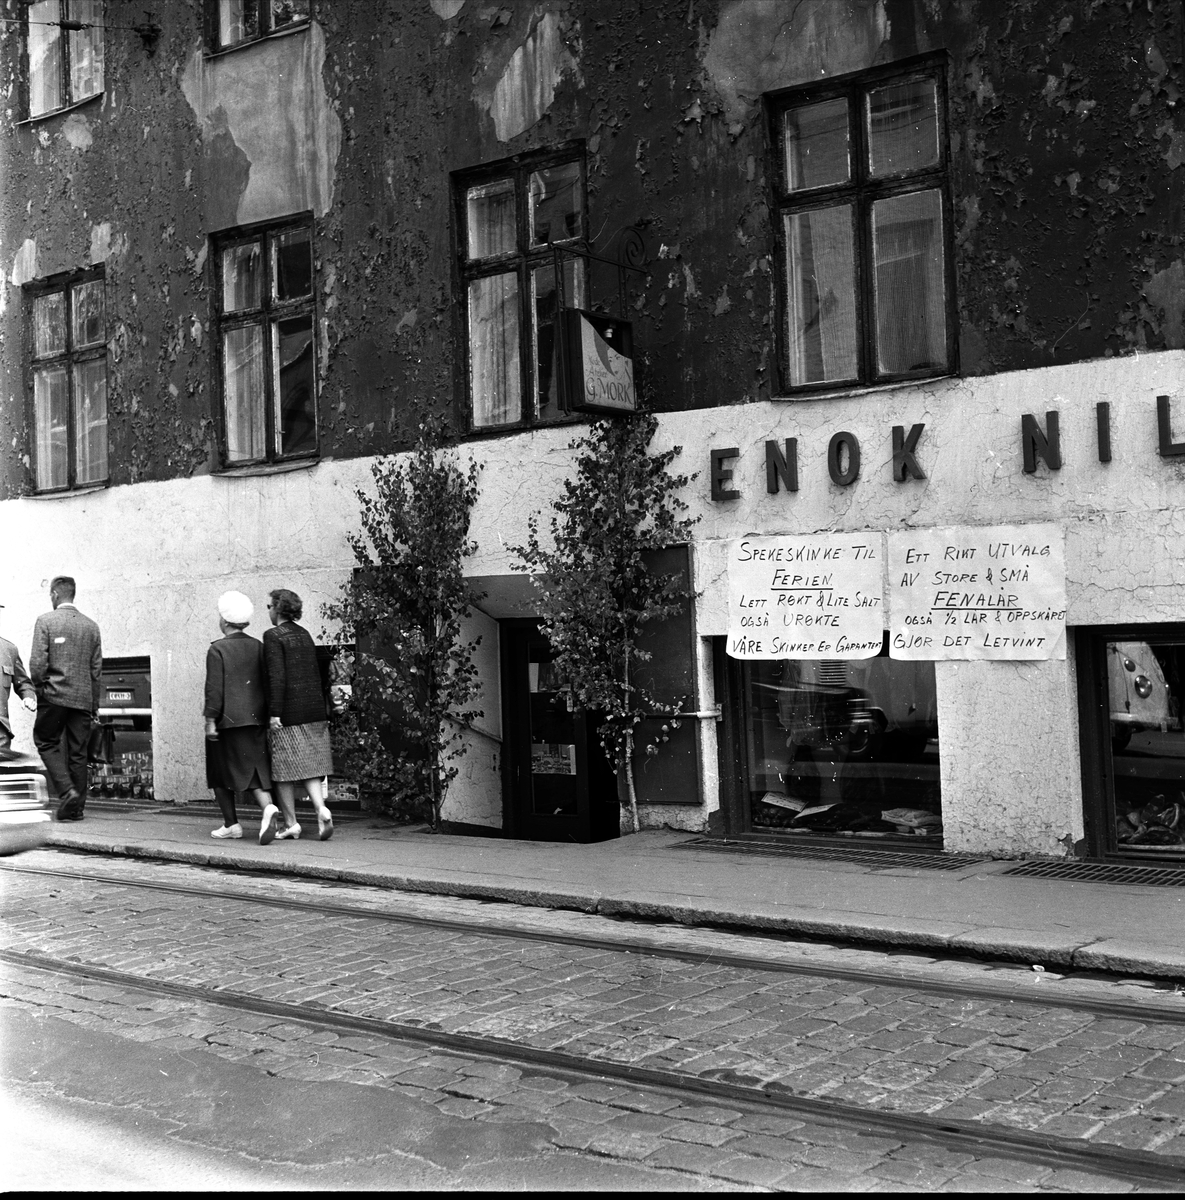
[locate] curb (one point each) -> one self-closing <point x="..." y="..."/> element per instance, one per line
<point x="1118" y="957"/>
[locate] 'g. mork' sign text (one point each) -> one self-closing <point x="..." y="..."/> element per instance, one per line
<point x="805" y="597"/>
<point x="996" y="592"/>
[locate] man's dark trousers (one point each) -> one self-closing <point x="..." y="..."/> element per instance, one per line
<point x="60" y="735"/>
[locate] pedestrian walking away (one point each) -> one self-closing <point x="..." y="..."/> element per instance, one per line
<point x="12" y="677"/>
<point x="236" y="720"/>
<point x="66" y="667"/>
<point x="299" y="730"/>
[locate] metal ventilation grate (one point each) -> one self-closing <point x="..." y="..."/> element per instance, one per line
<point x="883" y="860"/>
<point x="1089" y="872"/>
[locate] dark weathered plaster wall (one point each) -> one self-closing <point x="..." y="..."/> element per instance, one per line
<point x="1067" y="151"/>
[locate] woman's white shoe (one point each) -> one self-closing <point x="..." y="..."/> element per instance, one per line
<point x="292" y="833"/>
<point x="228" y="831"/>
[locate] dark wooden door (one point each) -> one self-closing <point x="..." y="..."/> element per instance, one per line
<point x="559" y="785"/>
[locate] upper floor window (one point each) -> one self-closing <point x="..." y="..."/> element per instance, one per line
<point x="266" y="334"/>
<point x="233" y="22"/>
<point x="509" y="216"/>
<point x="864" y="228"/>
<point x="69" y="360"/>
<point x="65" y="49"/>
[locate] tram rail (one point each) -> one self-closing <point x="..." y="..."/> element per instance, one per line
<point x="970" y="1137"/>
<point x="1161" y="1171"/>
<point x="1172" y="1012"/>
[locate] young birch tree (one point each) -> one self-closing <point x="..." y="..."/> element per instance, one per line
<point x="596" y="593"/>
<point x="404" y="606"/>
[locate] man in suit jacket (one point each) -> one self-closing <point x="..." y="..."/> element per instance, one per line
<point x="12" y="675"/>
<point x="66" y="665"/>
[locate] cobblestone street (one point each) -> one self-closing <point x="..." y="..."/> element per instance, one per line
<point x="1048" y="1064"/>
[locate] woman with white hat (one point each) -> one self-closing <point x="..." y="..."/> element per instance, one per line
<point x="236" y="720"/>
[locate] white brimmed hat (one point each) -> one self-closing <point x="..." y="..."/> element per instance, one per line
<point x="235" y="608"/>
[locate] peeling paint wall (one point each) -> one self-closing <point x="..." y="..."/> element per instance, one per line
<point x="1067" y="162"/>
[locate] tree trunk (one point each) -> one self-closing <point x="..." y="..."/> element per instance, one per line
<point x="629" y="776"/>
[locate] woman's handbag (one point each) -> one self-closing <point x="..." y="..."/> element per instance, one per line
<point x="100" y="746"/>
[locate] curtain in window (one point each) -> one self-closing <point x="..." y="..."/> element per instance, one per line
<point x="86" y="50"/>
<point x="50" y="415"/>
<point x="494" y="350"/>
<point x="296" y="415"/>
<point x="90" y="421"/>
<point x="821" y="295"/>
<point x="490" y="219"/>
<point x="45" y="58"/>
<point x="237" y="20"/>
<point x="545" y="309"/>
<point x="910" y="287"/>
<point x="242" y="362"/>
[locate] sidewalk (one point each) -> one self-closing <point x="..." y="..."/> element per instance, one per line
<point x="974" y="910"/>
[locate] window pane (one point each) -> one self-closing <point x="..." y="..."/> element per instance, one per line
<point x="242" y="364"/>
<point x="903" y="127"/>
<point x="292" y="264"/>
<point x="89" y="327"/>
<point x="289" y="12"/>
<point x="844" y="747"/>
<point x="910" y="283"/>
<point x="237" y="21"/>
<point x="816" y="141"/>
<point x="490" y="219"/>
<point x="557" y="204"/>
<point x="494" y="350"/>
<point x="545" y="305"/>
<point x="242" y="277"/>
<point x="820" y="293"/>
<point x="49" y="414"/>
<point x="45" y="58"/>
<point x="296" y="416"/>
<point x="90" y="421"/>
<point x="1145" y="685"/>
<point x="49" y="325"/>
<point x="86" y="50"/>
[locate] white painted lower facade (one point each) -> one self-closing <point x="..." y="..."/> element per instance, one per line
<point x="151" y="559"/>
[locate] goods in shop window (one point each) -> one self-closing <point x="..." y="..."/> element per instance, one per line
<point x="912" y="819"/>
<point x="1156" y="824"/>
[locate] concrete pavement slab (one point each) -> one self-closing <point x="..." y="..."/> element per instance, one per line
<point x="971" y="910"/>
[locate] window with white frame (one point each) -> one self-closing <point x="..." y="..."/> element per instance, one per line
<point x="267" y="342"/>
<point x="64" y="46"/>
<point x="231" y="23"/>
<point x="69" y="361"/>
<point x="864" y="227"/>
<point x="510" y="216"/>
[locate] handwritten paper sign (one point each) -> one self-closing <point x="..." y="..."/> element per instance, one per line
<point x="805" y="597"/>
<point x="996" y="592"/>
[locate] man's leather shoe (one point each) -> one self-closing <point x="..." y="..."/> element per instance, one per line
<point x="70" y="808"/>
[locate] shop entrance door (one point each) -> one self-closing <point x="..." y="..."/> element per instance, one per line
<point x="557" y="781"/>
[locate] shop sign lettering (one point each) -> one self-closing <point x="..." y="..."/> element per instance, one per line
<point x="805" y="597"/>
<point x="994" y="592"/>
<point x="1038" y="444"/>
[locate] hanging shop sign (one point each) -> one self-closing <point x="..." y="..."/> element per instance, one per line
<point x="600" y="362"/>
<point x="805" y="597"/>
<point x="995" y="592"/>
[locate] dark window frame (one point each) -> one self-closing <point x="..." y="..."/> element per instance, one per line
<point x="64" y="283"/>
<point x="1094" y="725"/>
<point x="524" y="259"/>
<point x="270" y="311"/>
<point x="861" y="191"/>
<point x="66" y="100"/>
<point x="265" y="26"/>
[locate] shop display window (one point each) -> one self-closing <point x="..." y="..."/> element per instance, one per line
<point x="1147" y="742"/>
<point x="843" y="747"/>
<point x="125" y="706"/>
